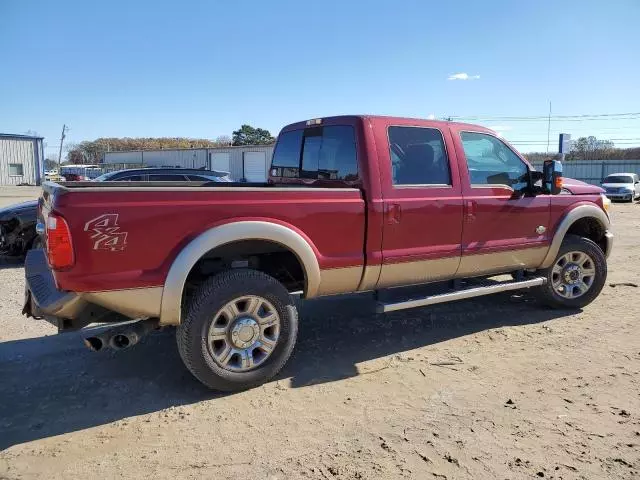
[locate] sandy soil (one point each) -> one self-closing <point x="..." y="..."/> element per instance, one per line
<point x="492" y="388"/>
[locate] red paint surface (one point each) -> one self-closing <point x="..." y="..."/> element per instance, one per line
<point x="402" y="224"/>
<point x="159" y="224"/>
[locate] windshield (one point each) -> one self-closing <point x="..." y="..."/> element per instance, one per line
<point x="618" y="179"/>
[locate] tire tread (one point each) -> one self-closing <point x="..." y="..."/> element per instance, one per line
<point x="245" y="281"/>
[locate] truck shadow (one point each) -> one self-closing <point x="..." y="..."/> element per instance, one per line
<point x="52" y="385"/>
<point x="331" y="344"/>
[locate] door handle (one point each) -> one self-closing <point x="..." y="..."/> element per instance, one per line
<point x="470" y="207"/>
<point x="394" y="213"/>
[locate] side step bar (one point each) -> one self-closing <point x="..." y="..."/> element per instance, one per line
<point x="460" y="295"/>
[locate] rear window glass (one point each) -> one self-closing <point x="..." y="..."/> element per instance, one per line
<point x="326" y="153"/>
<point x="286" y="157"/>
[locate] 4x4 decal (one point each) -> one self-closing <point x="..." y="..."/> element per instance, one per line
<point x="106" y="233"/>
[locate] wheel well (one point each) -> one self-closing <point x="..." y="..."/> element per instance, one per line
<point x="262" y="255"/>
<point x="590" y="228"/>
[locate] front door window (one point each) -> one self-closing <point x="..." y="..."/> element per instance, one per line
<point x="491" y="162"/>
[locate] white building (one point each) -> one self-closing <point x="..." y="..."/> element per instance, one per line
<point x="21" y="159"/>
<point x="249" y="162"/>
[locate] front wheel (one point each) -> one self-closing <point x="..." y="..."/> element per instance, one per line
<point x="577" y="275"/>
<point x="239" y="330"/>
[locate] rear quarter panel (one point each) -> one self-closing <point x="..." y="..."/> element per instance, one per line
<point x="159" y="223"/>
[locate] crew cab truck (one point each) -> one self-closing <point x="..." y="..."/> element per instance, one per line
<point x="352" y="204"/>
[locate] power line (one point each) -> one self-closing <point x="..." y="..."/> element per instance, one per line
<point x="612" y="139"/>
<point x="594" y="116"/>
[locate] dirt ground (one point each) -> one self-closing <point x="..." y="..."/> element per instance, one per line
<point x="492" y="388"/>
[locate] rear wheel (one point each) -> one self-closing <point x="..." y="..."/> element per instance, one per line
<point x="577" y="275"/>
<point x="239" y="331"/>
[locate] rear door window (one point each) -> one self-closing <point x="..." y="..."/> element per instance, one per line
<point x="324" y="153"/>
<point x="418" y="156"/>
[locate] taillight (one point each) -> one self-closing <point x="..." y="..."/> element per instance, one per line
<point x="59" y="245"/>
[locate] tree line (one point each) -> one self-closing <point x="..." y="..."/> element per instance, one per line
<point x="590" y="148"/>
<point x="92" y="151"/>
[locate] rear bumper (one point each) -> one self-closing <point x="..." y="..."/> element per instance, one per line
<point x="70" y="310"/>
<point x="42" y="298"/>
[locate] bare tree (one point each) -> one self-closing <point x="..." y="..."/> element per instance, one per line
<point x="223" y="140"/>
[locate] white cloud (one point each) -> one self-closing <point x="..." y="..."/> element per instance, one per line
<point x="431" y="117"/>
<point x="463" y="76"/>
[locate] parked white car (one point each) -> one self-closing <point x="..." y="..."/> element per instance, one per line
<point x="622" y="186"/>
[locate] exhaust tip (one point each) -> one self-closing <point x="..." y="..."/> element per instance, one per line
<point x="93" y="343"/>
<point x="120" y="341"/>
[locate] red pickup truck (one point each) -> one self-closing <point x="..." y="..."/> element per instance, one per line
<point x="353" y="204"/>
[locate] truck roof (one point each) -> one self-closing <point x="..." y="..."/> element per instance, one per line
<point x="387" y="119"/>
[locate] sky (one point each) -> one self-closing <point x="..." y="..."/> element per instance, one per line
<point x="201" y="69"/>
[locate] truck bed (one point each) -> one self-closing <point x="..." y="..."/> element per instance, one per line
<point x="153" y="221"/>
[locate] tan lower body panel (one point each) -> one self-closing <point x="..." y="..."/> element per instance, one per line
<point x="339" y="280"/>
<point x="370" y="278"/>
<point x="133" y="303"/>
<point x="145" y="302"/>
<point x="426" y="271"/>
<point x="492" y="263"/>
<point x="423" y="271"/>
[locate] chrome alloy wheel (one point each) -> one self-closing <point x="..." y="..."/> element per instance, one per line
<point x="243" y="333"/>
<point x="573" y="274"/>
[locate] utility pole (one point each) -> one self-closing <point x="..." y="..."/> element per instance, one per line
<point x="65" y="129"/>
<point x="549" y="127"/>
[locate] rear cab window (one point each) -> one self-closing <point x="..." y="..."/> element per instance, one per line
<point x="325" y="153"/>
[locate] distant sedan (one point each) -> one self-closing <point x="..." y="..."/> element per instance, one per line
<point x="164" y="175"/>
<point x="18" y="221"/>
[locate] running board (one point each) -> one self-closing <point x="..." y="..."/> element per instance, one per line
<point x="460" y="295"/>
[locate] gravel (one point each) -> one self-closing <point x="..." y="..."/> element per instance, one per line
<point x="414" y="394"/>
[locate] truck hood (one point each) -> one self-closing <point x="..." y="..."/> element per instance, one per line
<point x="577" y="187"/>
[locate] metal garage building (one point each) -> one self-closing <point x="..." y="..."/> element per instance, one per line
<point x="248" y="162"/>
<point x="21" y="159"/>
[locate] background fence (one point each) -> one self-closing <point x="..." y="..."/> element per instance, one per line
<point x="594" y="171"/>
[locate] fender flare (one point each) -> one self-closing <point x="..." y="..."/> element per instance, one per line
<point x="171" y="308"/>
<point x="581" y="211"/>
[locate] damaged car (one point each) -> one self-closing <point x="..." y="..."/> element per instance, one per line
<point x="18" y="229"/>
<point x="18" y="222"/>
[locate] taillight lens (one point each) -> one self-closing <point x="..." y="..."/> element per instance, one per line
<point x="59" y="245"/>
